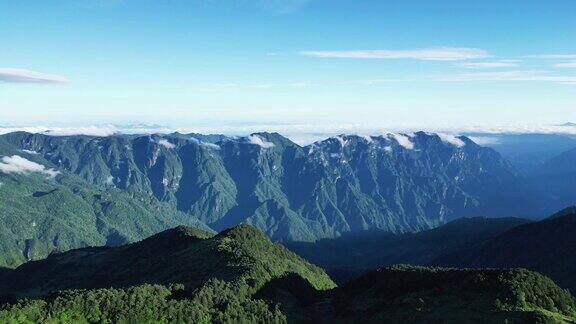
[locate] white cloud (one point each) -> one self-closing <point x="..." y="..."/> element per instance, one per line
<point x="429" y="54"/>
<point x="63" y="131"/>
<point x="20" y="165"/>
<point x="571" y="64"/>
<point x="210" y="145"/>
<point x="488" y="65"/>
<point x="30" y="152"/>
<point x="205" y="144"/>
<point x="109" y="180"/>
<point x="556" y="56"/>
<point x="257" y="140"/>
<point x="568" y="60"/>
<point x="485" y="140"/>
<point x="341" y="140"/>
<point x="451" y="139"/>
<point x="518" y="75"/>
<point x="100" y="131"/>
<point x="166" y="143"/>
<point x="306" y="133"/>
<point x="10" y="75"/>
<point x="513" y="129"/>
<point x="403" y="140"/>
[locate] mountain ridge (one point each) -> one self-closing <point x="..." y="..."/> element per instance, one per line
<point x="239" y="275"/>
<point x="394" y="182"/>
<point x="362" y="252"/>
<point x="546" y="246"/>
<point x="181" y="255"/>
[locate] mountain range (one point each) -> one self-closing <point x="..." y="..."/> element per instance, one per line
<point x="124" y="188"/>
<point x="239" y="275"/>
<point x="527" y="151"/>
<point x="181" y="228"/>
<point x="362" y="252"/>
<point x="547" y="246"/>
<point x="554" y="179"/>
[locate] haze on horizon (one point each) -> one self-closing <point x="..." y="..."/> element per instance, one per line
<point x="288" y="65"/>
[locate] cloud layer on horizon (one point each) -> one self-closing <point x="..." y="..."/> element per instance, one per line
<point x="302" y="134"/>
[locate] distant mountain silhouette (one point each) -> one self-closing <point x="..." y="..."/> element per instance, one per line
<point x="363" y="252"/>
<point x="548" y="246"/>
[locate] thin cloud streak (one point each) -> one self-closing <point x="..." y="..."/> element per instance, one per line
<point x="566" y="65"/>
<point x="487" y="65"/>
<point x="555" y="56"/>
<point x="10" y="75"/>
<point x="519" y="75"/>
<point x="429" y="54"/>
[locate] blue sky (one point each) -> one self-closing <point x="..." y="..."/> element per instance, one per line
<point x="327" y="64"/>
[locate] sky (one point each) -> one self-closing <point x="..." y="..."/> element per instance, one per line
<point x="288" y="65"/>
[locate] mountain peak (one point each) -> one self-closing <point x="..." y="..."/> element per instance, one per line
<point x="275" y="138"/>
<point x="567" y="212"/>
<point x="181" y="255"/>
<point x="244" y="232"/>
<point x="187" y="231"/>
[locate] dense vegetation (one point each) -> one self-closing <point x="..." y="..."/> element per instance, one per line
<point x="39" y="216"/>
<point x="216" y="302"/>
<point x="396" y="183"/>
<point x="108" y="192"/>
<point x="196" y="276"/>
<point x="422" y="295"/>
<point x="360" y="253"/>
<point x="241" y="255"/>
<point x="189" y="275"/>
<point x="548" y="246"/>
<point x="392" y="295"/>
